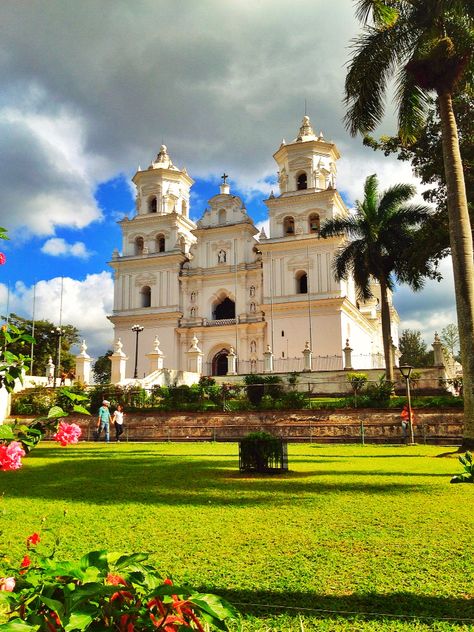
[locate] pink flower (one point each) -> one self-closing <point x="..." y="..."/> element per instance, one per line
<point x="67" y="433"/>
<point x="3" y="259"/>
<point x="32" y="539"/>
<point x="7" y="583"/>
<point x="10" y="456"/>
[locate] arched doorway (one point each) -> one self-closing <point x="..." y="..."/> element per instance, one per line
<point x="225" y="309"/>
<point x="219" y="362"/>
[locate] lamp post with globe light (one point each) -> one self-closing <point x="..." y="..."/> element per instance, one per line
<point x="137" y="329"/>
<point x="406" y="370"/>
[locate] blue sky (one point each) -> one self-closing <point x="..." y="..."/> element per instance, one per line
<point x="88" y="94"/>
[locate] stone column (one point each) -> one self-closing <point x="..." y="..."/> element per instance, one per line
<point x="307" y="357"/>
<point x="195" y="355"/>
<point x="231" y="362"/>
<point x="437" y="351"/>
<point x="83" y="365"/>
<point x="268" y="360"/>
<point x="119" y="363"/>
<point x="155" y="358"/>
<point x="347" y="356"/>
<point x="50" y="371"/>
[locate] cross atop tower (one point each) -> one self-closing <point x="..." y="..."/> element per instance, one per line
<point x="224" y="177"/>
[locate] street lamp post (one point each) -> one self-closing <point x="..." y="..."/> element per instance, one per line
<point x="406" y="370"/>
<point x="137" y="329"/>
<point x="57" y="332"/>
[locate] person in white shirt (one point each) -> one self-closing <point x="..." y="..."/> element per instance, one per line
<point x="118" y="421"/>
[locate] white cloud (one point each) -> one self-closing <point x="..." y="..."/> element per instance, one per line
<point x="57" y="247"/>
<point x="85" y="305"/>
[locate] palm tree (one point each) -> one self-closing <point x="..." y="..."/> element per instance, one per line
<point x="376" y="238"/>
<point x="426" y="46"/>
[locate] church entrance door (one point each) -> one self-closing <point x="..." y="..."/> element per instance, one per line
<point x="219" y="362"/>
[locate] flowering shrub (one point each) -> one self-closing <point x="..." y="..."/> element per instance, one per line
<point x="104" y="590"/>
<point x="17" y="440"/>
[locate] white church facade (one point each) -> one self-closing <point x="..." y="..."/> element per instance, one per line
<point x="223" y="287"/>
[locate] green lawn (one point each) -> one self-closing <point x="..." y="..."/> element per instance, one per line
<point x="364" y="532"/>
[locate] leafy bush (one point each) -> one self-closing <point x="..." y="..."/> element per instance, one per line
<point x="468" y="475"/>
<point x="261" y="452"/>
<point x="101" y="591"/>
<point x="35" y="401"/>
<point x="293" y="400"/>
<point x="379" y="393"/>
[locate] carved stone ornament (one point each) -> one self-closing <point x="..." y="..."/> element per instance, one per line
<point x="145" y="279"/>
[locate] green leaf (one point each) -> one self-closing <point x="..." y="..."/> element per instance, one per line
<point x="80" y="619"/>
<point x="17" y="625"/>
<point x="125" y="560"/>
<point x="6" y="432"/>
<point x="55" y="412"/>
<point x="80" y="409"/>
<point x="215" y="606"/>
<point x="54" y="605"/>
<point x="94" y="558"/>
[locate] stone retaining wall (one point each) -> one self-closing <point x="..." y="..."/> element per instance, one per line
<point x="380" y="426"/>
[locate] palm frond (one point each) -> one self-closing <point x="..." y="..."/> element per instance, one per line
<point x="382" y="13"/>
<point x="339" y="226"/>
<point x="393" y="197"/>
<point x="413" y="104"/>
<point x="343" y="262"/>
<point x="375" y="54"/>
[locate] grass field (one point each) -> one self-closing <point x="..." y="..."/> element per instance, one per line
<point x="352" y="538"/>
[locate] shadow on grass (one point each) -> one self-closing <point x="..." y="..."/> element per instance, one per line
<point x="402" y="606"/>
<point x="155" y="479"/>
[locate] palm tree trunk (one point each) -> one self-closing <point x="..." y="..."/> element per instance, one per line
<point x="460" y="236"/>
<point x="386" y="331"/>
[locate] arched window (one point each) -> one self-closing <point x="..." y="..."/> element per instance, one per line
<point x="222" y="217"/>
<point x="301" y="283"/>
<point x="139" y="244"/>
<point x="314" y="223"/>
<point x="288" y="226"/>
<point x="224" y="309"/>
<point x="221" y="256"/>
<point x="184" y="208"/>
<point x="193" y="312"/>
<point x="145" y="296"/>
<point x="301" y="181"/>
<point x="160" y="243"/>
<point x="152" y="204"/>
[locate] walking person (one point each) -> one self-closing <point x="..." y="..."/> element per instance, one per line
<point x="118" y="421"/>
<point x="104" y="420"/>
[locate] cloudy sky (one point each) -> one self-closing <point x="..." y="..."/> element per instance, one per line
<point x="91" y="89"/>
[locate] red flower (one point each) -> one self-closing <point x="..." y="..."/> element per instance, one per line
<point x="115" y="580"/>
<point x="32" y="540"/>
<point x="2" y="259"/>
<point x="25" y="562"/>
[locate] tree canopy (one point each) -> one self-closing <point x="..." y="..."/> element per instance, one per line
<point x="102" y="368"/>
<point x="45" y="343"/>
